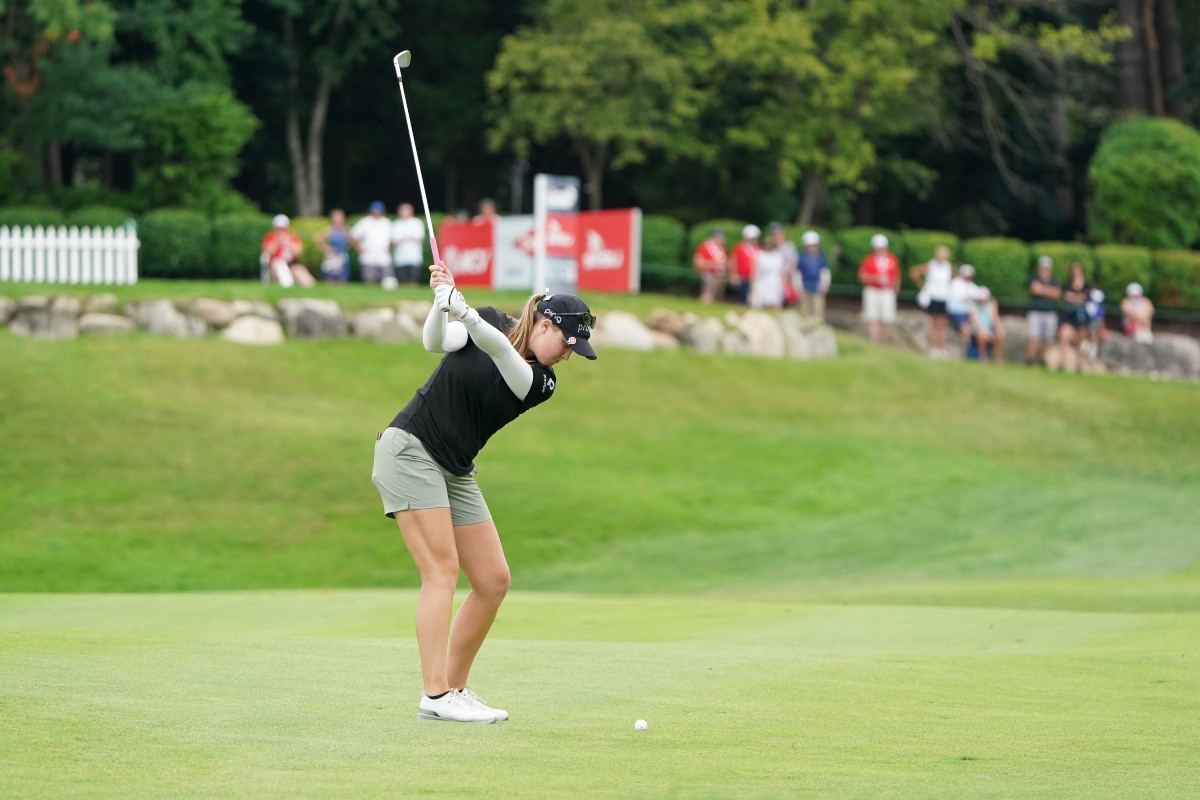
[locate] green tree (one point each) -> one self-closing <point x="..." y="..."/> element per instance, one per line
<point x="1145" y="184"/>
<point x="595" y="76"/>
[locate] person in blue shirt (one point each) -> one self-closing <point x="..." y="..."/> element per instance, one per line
<point x="813" y="270"/>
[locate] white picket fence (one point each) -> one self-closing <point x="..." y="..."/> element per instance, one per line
<point x="68" y="255"/>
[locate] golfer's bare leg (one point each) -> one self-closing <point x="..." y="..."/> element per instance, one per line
<point x="482" y="558"/>
<point x="429" y="535"/>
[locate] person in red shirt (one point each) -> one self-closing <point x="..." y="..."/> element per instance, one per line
<point x="281" y="251"/>
<point x="879" y="274"/>
<point x="744" y="256"/>
<point x="710" y="260"/>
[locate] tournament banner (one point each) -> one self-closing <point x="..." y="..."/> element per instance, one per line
<point x="468" y="249"/>
<point x="514" y="253"/>
<point x="609" y="254"/>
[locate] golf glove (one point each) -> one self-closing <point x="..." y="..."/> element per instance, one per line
<point x="458" y="308"/>
<point x="441" y="297"/>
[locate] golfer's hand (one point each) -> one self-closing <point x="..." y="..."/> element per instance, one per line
<point x="440" y="276"/>
<point x="457" y="305"/>
<point x="441" y="297"/>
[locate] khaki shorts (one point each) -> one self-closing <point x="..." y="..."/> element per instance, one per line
<point x="407" y="478"/>
<point x="879" y="305"/>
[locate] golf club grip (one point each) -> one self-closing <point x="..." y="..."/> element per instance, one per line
<point x="437" y="257"/>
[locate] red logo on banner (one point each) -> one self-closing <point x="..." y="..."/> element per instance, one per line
<point x="467" y="248"/>
<point x="605" y="259"/>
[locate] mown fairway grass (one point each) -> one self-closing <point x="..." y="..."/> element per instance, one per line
<point x="303" y="694"/>
<point x="879" y="576"/>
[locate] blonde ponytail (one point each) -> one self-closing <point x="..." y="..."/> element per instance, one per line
<point x="522" y="332"/>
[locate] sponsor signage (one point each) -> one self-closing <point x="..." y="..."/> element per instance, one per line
<point x="468" y="248"/>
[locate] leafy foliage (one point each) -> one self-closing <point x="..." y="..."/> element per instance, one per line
<point x="1001" y="264"/>
<point x="100" y="216"/>
<point x="237" y="242"/>
<point x="1176" y="281"/>
<point x="1145" y="184"/>
<point x="21" y="216"/>
<point x="176" y="243"/>
<point x="1117" y="266"/>
<point x="1066" y="253"/>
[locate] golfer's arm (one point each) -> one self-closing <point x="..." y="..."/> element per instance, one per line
<point x="513" y="368"/>
<point x="442" y="336"/>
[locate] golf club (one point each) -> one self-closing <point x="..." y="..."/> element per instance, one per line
<point x="401" y="61"/>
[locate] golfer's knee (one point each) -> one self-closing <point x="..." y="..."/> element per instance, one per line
<point x="493" y="585"/>
<point x="442" y="573"/>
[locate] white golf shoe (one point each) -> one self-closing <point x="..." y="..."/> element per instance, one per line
<point x="472" y="698"/>
<point x="453" y="707"/>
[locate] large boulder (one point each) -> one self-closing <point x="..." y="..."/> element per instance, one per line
<point x="97" y="324"/>
<point x="668" y="321"/>
<point x="703" y="335"/>
<point x="807" y="338"/>
<point x="162" y="318"/>
<point x="309" y="318"/>
<point x="384" y="325"/>
<point x="258" y="308"/>
<point x="217" y="313"/>
<point x="253" y="330"/>
<point x="1169" y="355"/>
<point x="761" y="334"/>
<point x="622" y="330"/>
<point x="45" y="318"/>
<point x="8" y="307"/>
<point x="103" y="303"/>
<point x="664" y="341"/>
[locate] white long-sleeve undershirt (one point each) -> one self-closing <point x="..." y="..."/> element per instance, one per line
<point x="443" y="335"/>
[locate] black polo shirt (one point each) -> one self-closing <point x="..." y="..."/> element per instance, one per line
<point x="466" y="400"/>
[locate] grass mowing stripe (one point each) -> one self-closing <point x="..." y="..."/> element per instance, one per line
<point x="266" y="694"/>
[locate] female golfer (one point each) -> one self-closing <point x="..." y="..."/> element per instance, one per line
<point x="495" y="369"/>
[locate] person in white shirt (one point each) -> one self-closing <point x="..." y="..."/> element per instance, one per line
<point x="933" y="278"/>
<point x="408" y="239"/>
<point x="958" y="302"/>
<point x="373" y="237"/>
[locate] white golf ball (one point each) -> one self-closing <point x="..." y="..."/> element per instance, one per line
<point x="640" y="725"/>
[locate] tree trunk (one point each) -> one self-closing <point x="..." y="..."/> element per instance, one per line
<point x="1131" y="63"/>
<point x="54" y="165"/>
<point x="1060" y="139"/>
<point x="814" y="188"/>
<point x="1179" y="100"/>
<point x="593" y="156"/>
<point x="1153" y="71"/>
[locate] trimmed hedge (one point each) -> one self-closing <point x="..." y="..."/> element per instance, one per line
<point x="663" y="241"/>
<point x="1065" y="254"/>
<point x="1118" y="265"/>
<point x="101" y="216"/>
<point x="918" y="248"/>
<point x="856" y="245"/>
<point x="1001" y="264"/>
<point x="237" y="244"/>
<point x="1176" y="279"/>
<point x="32" y="216"/>
<point x="176" y="244"/>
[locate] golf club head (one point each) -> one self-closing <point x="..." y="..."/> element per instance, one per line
<point x="402" y="60"/>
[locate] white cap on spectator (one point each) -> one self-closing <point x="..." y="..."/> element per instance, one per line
<point x="1134" y="290"/>
<point x="966" y="271"/>
<point x="1045" y="261"/>
<point x="751" y="232"/>
<point x="878" y="241"/>
<point x="810" y="237"/>
<point x="281" y="221"/>
<point x="1097" y="296"/>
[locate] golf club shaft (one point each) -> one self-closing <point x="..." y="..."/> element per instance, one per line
<point x="437" y="258"/>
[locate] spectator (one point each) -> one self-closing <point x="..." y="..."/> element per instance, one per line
<point x="879" y="274"/>
<point x="281" y="250"/>
<point x="744" y="256"/>
<point x="986" y="328"/>
<point x="1097" y="330"/>
<point x="1073" y="328"/>
<point x="791" y="258"/>
<point x="814" y="274"/>
<point x="487" y="211"/>
<point x="709" y="261"/>
<point x="335" y="242"/>
<point x="373" y="237"/>
<point x="958" y="303"/>
<point x="933" y="280"/>
<point x="408" y="239"/>
<point x="770" y="274"/>
<point x="1042" y="319"/>
<point x="1138" y="312"/>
